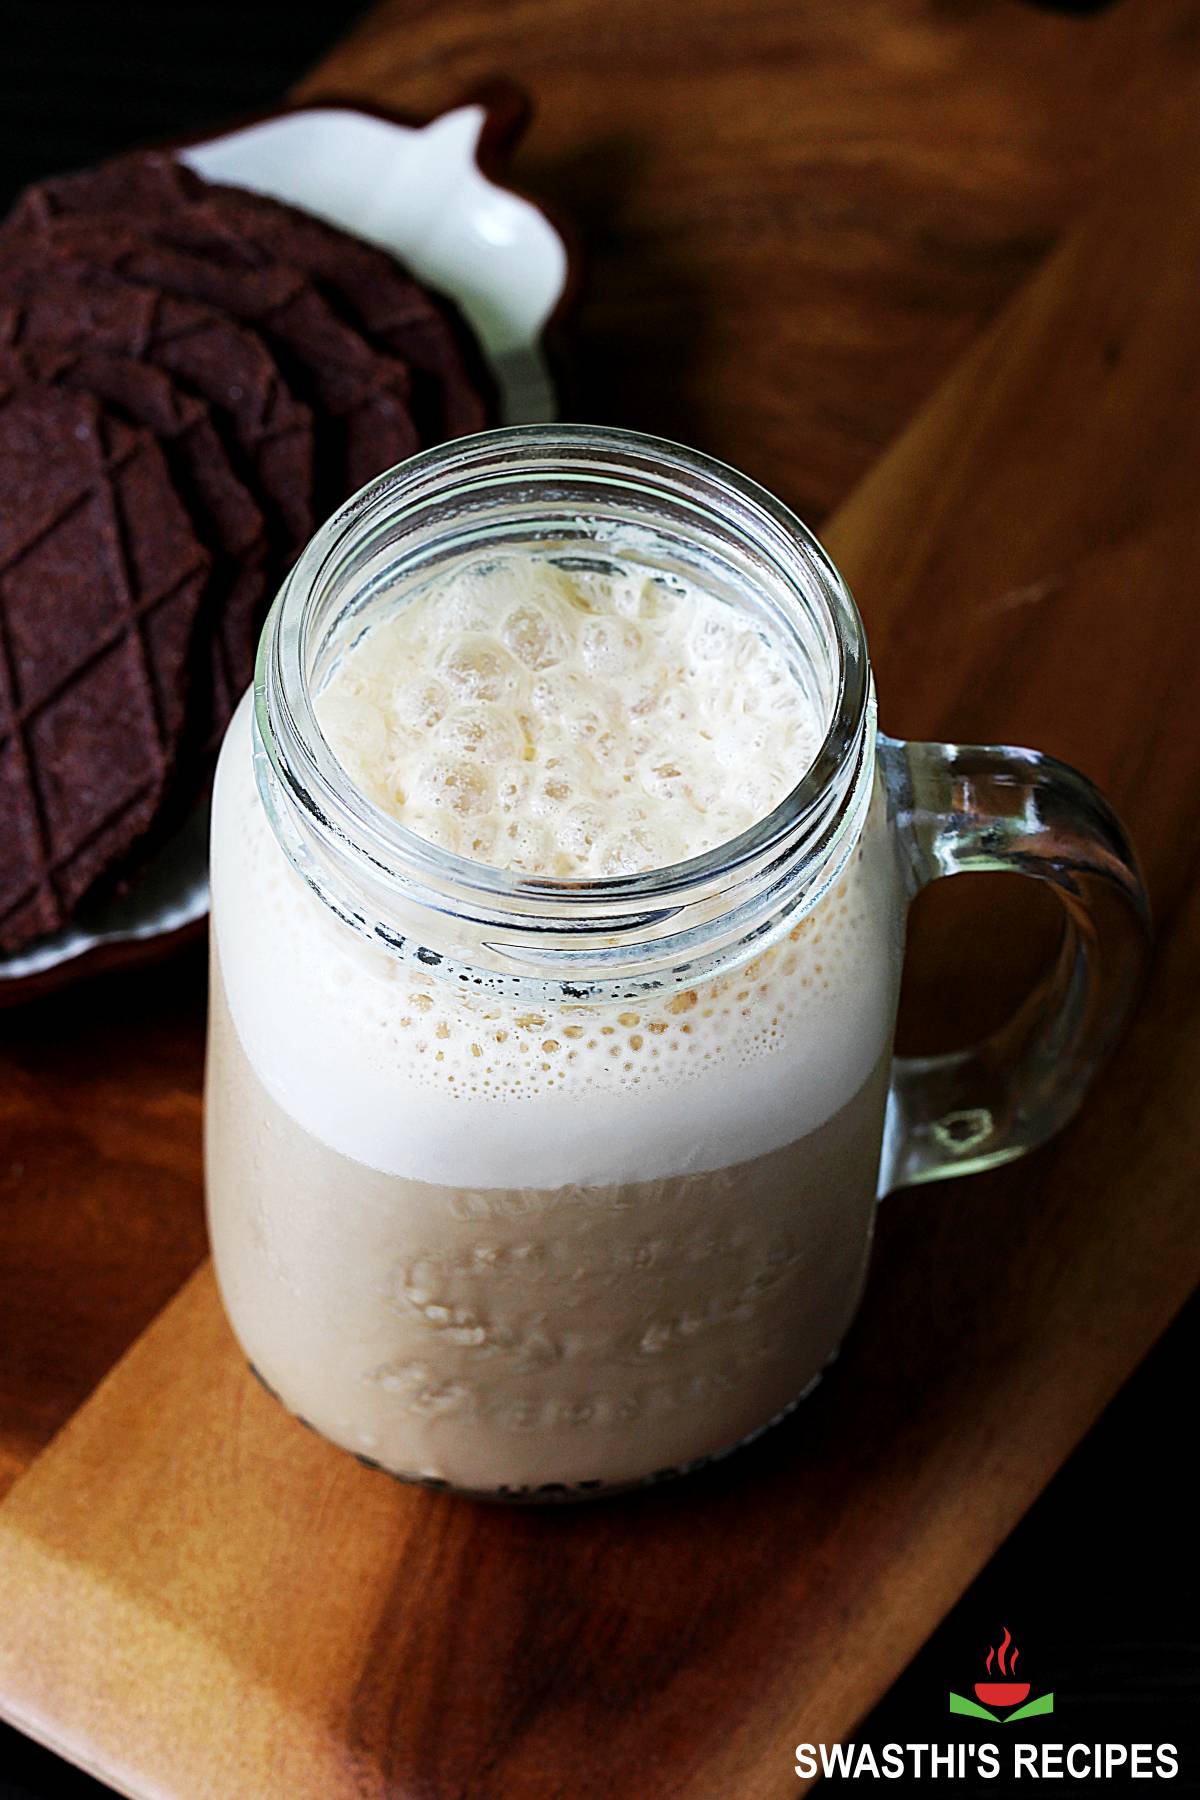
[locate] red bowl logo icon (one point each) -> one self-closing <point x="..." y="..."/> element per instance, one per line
<point x="1001" y="1693"/>
<point x="1005" y="1692"/>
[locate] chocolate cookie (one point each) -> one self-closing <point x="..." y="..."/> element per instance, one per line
<point x="452" y="392"/>
<point x="101" y="581"/>
<point x="139" y="183"/>
<point x="226" y="519"/>
<point x="267" y="431"/>
<point x="359" y="396"/>
<point x="188" y="374"/>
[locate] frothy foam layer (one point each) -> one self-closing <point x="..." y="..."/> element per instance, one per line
<point x="414" y="1075"/>
<point x="569" y="722"/>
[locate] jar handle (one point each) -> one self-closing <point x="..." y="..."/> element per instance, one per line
<point x="959" y="808"/>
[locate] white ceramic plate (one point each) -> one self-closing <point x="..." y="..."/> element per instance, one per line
<point x="421" y="193"/>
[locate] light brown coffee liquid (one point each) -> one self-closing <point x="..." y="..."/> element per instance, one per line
<point x="503" y="1338"/>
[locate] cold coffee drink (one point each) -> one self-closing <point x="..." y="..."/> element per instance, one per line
<point x="508" y="1242"/>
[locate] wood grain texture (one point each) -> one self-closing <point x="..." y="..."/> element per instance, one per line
<point x="795" y="217"/>
<point x="101" y="1205"/>
<point x="204" y="1599"/>
<point x="795" y="214"/>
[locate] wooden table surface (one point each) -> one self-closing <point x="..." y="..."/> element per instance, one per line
<point x="798" y="221"/>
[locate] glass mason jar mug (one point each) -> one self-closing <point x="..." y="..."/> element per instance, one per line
<point x="524" y="1185"/>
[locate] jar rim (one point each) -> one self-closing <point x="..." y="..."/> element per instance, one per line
<point x="799" y="828"/>
<point x="283" y="690"/>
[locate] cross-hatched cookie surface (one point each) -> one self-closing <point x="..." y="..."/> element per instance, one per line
<point x="266" y="430"/>
<point x="452" y="392"/>
<point x="101" y="581"/>
<point x="226" y="519"/>
<point x="359" y="395"/>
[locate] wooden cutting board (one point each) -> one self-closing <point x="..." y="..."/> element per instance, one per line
<point x="202" y="1599"/>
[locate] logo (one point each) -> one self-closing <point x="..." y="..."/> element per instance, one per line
<point x="1001" y="1698"/>
<point x="1009" y="1694"/>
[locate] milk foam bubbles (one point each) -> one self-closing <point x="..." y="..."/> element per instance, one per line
<point x="420" y="1077"/>
<point x="570" y="722"/>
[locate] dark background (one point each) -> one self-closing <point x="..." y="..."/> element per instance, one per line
<point x="1097" y="1584"/>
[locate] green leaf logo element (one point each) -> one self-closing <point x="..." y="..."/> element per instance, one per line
<point x="1032" y="1709"/>
<point x="971" y="1709"/>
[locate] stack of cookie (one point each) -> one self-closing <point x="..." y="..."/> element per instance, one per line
<point x="191" y="378"/>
